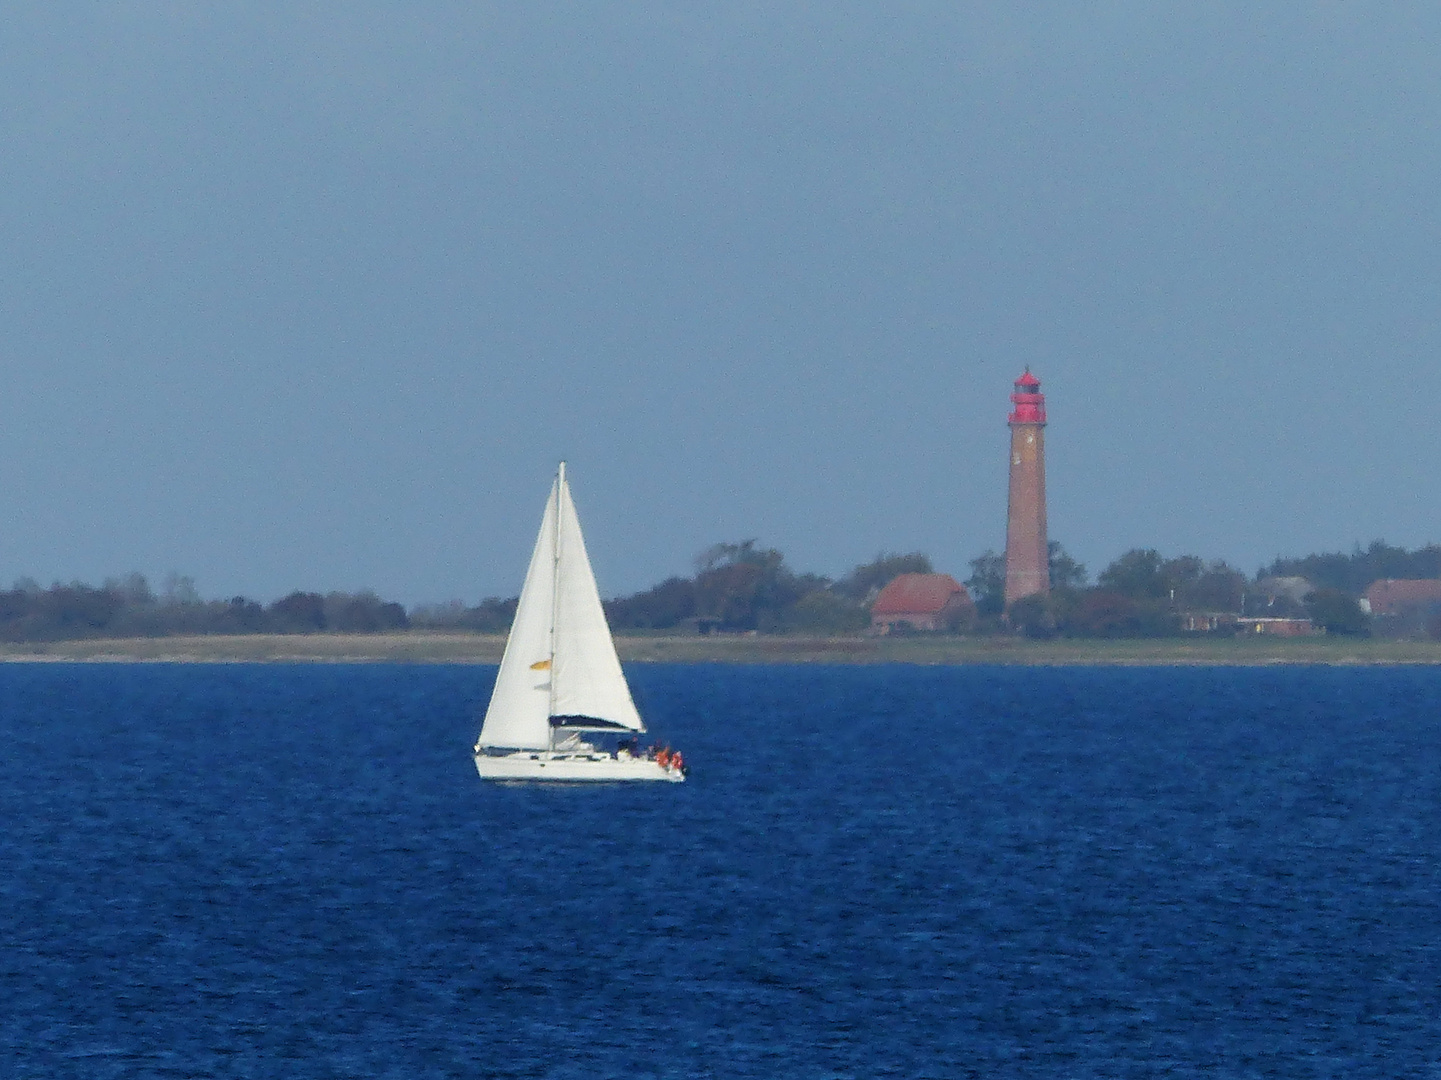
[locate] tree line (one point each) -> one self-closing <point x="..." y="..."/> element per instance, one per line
<point x="127" y="607"/>
<point x="1144" y="594"/>
<point x="742" y="586"/>
<point x="737" y="587"/>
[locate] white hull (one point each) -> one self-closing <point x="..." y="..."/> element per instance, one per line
<point x="563" y="767"/>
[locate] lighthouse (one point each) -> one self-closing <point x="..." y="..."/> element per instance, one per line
<point x="1027" y="554"/>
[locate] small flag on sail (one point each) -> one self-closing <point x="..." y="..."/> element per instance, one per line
<point x="540" y="665"/>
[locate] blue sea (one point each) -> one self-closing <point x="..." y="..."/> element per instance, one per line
<point x="277" y="871"/>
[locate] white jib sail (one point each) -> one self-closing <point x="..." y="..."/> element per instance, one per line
<point x="519" y="713"/>
<point x="588" y="680"/>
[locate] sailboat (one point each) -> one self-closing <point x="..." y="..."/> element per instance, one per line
<point x="560" y="682"/>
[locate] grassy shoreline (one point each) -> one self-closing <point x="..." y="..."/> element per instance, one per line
<point x="464" y="648"/>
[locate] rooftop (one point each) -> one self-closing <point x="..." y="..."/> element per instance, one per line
<point x="1389" y="596"/>
<point x="917" y="594"/>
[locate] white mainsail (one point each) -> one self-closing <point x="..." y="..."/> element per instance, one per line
<point x="560" y="659"/>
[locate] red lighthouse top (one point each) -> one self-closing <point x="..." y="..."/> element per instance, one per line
<point x="1030" y="403"/>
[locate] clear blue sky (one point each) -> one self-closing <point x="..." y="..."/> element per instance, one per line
<point x="317" y="295"/>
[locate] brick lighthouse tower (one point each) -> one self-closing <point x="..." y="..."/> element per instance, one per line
<point x="1027" y="556"/>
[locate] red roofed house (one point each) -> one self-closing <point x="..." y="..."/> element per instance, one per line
<point x="922" y="602"/>
<point x="1404" y="599"/>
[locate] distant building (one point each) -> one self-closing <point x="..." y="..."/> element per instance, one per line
<point x="1208" y="622"/>
<point x="1403" y="597"/>
<point x="1228" y="622"/>
<point x="922" y="602"/>
<point x="1403" y="607"/>
<point x="1277" y="627"/>
<point x="1027" y="550"/>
